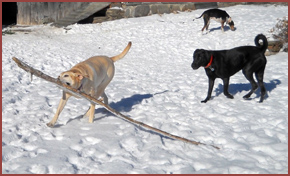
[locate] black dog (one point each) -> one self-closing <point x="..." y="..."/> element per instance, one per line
<point x="225" y="63"/>
<point x="218" y="15"/>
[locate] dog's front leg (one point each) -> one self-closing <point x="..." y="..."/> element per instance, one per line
<point x="61" y="105"/>
<point x="91" y="113"/>
<point x="210" y="87"/>
<point x="222" y="26"/>
<point x="226" y="88"/>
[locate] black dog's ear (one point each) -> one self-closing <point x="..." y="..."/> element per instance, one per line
<point x="200" y="50"/>
<point x="194" y="53"/>
<point x="197" y="50"/>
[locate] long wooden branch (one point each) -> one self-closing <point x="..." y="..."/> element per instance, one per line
<point x="78" y="93"/>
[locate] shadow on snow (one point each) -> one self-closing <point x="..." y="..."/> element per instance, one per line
<point x="238" y="88"/>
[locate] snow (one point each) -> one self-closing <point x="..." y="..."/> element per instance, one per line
<point x="154" y="84"/>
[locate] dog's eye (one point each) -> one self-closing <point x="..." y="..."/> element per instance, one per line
<point x="65" y="76"/>
<point x="68" y="84"/>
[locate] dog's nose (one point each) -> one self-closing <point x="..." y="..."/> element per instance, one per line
<point x="68" y="84"/>
<point x="193" y="66"/>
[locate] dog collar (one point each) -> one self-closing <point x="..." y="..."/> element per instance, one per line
<point x="209" y="64"/>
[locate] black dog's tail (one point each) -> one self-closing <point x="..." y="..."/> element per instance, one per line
<point x="264" y="46"/>
<point x="198" y="17"/>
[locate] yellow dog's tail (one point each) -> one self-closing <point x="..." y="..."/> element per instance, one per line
<point x="120" y="56"/>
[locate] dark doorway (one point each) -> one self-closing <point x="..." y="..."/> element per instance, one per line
<point x="9" y="13"/>
<point x="90" y="19"/>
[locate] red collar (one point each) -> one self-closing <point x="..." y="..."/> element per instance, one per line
<point x="210" y="62"/>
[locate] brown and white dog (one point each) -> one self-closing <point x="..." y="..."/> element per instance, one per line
<point x="91" y="77"/>
<point x="217" y="15"/>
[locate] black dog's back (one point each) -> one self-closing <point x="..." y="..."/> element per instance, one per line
<point x="216" y="13"/>
<point x="250" y="52"/>
<point x="245" y="55"/>
<point x="260" y="48"/>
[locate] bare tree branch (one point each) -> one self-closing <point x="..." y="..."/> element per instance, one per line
<point x="78" y="93"/>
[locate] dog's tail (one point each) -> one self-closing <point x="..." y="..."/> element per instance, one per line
<point x="120" y="56"/>
<point x="264" y="46"/>
<point x="198" y="17"/>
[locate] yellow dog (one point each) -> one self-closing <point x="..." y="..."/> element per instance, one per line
<point x="91" y="77"/>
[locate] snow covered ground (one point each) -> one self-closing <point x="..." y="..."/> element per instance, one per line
<point x="154" y="84"/>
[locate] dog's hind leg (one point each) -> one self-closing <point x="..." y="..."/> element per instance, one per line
<point x="210" y="87"/>
<point x="63" y="100"/>
<point x="259" y="76"/>
<point x="207" y="26"/>
<point x="203" y="28"/>
<point x="206" y="22"/>
<point x="100" y="93"/>
<point x="249" y="75"/>
<point x="226" y="88"/>
<point x="105" y="98"/>
<point x="90" y="113"/>
<point x="87" y="114"/>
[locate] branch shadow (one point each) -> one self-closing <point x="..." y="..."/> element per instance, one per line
<point x="238" y="88"/>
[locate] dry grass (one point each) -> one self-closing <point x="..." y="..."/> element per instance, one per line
<point x="280" y="32"/>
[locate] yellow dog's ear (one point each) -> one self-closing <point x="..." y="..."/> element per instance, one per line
<point x="80" y="76"/>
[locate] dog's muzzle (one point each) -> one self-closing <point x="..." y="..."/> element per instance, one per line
<point x="194" y="67"/>
<point x="67" y="83"/>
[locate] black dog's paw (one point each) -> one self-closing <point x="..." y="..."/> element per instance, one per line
<point x="246" y="97"/>
<point x="230" y="96"/>
<point x="261" y="99"/>
<point x="204" y="101"/>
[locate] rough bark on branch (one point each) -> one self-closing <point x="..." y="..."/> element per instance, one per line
<point x="78" y="93"/>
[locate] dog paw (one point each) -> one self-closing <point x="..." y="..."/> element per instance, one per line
<point x="50" y="124"/>
<point x="205" y="100"/>
<point x="246" y="97"/>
